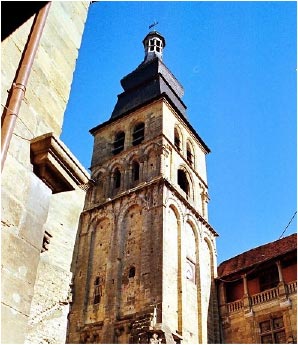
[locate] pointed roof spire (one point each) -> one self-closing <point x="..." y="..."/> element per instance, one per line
<point x="153" y="43"/>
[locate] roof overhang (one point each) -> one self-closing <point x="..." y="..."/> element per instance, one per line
<point x="55" y="165"/>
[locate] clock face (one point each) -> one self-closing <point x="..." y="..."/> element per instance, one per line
<point x="189" y="271"/>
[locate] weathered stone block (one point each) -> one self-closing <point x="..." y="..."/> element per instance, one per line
<point x="19" y="257"/>
<point x="14" y="328"/>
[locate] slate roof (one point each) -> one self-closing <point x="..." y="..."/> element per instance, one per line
<point x="257" y="255"/>
<point x="148" y="81"/>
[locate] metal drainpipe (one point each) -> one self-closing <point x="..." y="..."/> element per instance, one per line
<point x="18" y="88"/>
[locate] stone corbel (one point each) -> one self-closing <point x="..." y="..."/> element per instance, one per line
<point x="55" y="165"/>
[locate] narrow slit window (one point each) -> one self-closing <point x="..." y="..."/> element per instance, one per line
<point x="138" y="133"/>
<point x="132" y="272"/>
<point x="135" y="171"/>
<point x="97" y="291"/>
<point x="177" y="141"/>
<point x="189" y="155"/>
<point x="117" y="178"/>
<point x="183" y="182"/>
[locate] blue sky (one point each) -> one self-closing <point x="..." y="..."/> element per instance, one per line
<point x="237" y="64"/>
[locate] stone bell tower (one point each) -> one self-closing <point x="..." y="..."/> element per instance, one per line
<point x="145" y="256"/>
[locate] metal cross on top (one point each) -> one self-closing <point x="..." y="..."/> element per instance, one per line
<point x="152" y="25"/>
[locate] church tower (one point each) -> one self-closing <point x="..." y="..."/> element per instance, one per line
<point x="145" y="257"/>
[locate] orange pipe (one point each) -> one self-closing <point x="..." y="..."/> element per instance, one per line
<point x="18" y="88"/>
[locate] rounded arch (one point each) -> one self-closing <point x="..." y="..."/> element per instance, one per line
<point x="126" y="222"/>
<point x="151" y="148"/>
<point x="98" y="172"/>
<point x="96" y="220"/>
<point x="192" y="246"/>
<point x="135" y="121"/>
<point x="192" y="220"/>
<point x="175" y="210"/>
<point x="133" y="155"/>
<point x="176" y="207"/>
<point x="133" y="167"/>
<point x="212" y="249"/>
<point x="115" y="165"/>
<point x="97" y="191"/>
<point x="131" y="203"/>
<point x="116" y="177"/>
<point x="185" y="181"/>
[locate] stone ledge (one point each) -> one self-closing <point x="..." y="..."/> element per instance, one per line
<point x="55" y="165"/>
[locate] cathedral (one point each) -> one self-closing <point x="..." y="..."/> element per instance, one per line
<point x="145" y="257"/>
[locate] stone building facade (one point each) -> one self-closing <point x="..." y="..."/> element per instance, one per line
<point x="145" y="257"/>
<point x="258" y="295"/>
<point x="41" y="199"/>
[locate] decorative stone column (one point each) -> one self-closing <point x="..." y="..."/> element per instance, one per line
<point x="142" y="171"/>
<point x="246" y="299"/>
<point x="222" y="299"/>
<point x="280" y="276"/>
<point x="244" y="278"/>
<point x="165" y="151"/>
<point x="223" y="310"/>
<point x="282" y="292"/>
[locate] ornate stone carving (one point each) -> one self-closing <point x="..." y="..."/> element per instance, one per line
<point x="155" y="339"/>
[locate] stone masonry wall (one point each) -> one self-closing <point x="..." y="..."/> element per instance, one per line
<point x="52" y="292"/>
<point x="25" y="198"/>
<point x="114" y="238"/>
<point x="189" y="266"/>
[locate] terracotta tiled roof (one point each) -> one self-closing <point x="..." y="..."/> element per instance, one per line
<point x="257" y="255"/>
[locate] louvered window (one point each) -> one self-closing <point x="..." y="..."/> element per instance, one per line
<point x="138" y="134"/>
<point x="118" y="144"/>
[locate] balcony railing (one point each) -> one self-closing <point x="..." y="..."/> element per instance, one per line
<point x="292" y="287"/>
<point x="235" y="306"/>
<point x="261" y="297"/>
<point x="264" y="296"/>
